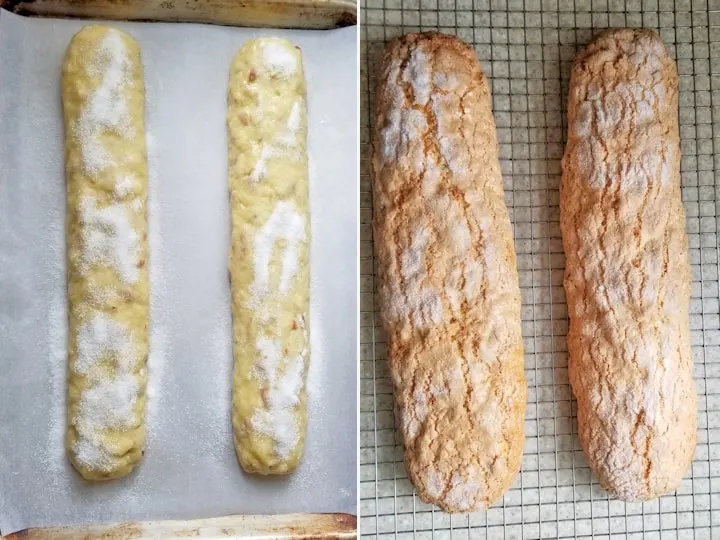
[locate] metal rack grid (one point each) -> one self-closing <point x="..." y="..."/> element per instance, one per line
<point x="526" y="48"/>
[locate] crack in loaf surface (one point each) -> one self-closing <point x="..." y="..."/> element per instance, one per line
<point x="450" y="299"/>
<point x="621" y="215"/>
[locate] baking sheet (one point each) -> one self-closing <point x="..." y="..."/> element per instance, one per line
<point x="189" y="469"/>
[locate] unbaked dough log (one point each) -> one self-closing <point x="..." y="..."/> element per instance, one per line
<point x="106" y="170"/>
<point x="269" y="252"/>
<point x="450" y="299"/>
<point x="627" y="275"/>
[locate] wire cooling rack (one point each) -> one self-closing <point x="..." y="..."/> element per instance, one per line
<point x="526" y="48"/>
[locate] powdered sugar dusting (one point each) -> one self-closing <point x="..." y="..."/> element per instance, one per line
<point x="415" y="415"/>
<point x="158" y="346"/>
<point x="315" y="383"/>
<point x="285" y="227"/>
<point x="216" y="405"/>
<point x="102" y="339"/>
<point x="422" y="302"/>
<point x="434" y="484"/>
<point x="107" y="109"/>
<point x="105" y="357"/>
<point x="294" y="120"/>
<point x="412" y="258"/>
<point x="417" y="74"/>
<point x="460" y="492"/>
<point x="390" y="134"/>
<point x="279" y="59"/>
<point x="431" y="177"/>
<point x="278" y="419"/>
<point x="460" y="234"/>
<point x="159" y="280"/>
<point x="405" y="125"/>
<point x="260" y="170"/>
<point x="99" y="295"/>
<point x="124" y="186"/>
<point x="57" y="367"/>
<point x="447" y="82"/>
<point x="109" y="239"/>
<point x="404" y="128"/>
<point x="90" y="452"/>
<point x="453" y="147"/>
<point x="284" y="146"/>
<point x="473" y="273"/>
<point x="109" y="403"/>
<point x="627" y="109"/>
<point x="283" y="375"/>
<point x="427" y="308"/>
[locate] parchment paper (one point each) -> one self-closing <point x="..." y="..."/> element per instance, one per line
<point x="190" y="469"/>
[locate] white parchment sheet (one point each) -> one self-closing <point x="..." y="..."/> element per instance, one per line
<point x="190" y="469"/>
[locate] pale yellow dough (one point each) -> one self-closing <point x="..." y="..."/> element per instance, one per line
<point x="106" y="170"/>
<point x="269" y="267"/>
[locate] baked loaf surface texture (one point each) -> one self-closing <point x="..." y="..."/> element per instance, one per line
<point x="448" y="283"/>
<point x="269" y="254"/>
<point x="106" y="171"/>
<point x="627" y="275"/>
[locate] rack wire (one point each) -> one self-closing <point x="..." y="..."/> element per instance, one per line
<point x="526" y="48"/>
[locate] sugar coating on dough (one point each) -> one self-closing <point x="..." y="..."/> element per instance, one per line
<point x="284" y="228"/>
<point x="627" y="275"/>
<point x="278" y="420"/>
<point x="269" y="255"/>
<point x="450" y="300"/>
<point x="106" y="106"/>
<point x="278" y="59"/>
<point x="103" y="103"/>
<point x="109" y="238"/>
<point x="284" y="225"/>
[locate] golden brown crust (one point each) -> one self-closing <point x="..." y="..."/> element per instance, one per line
<point x="627" y="275"/>
<point x="450" y="300"/>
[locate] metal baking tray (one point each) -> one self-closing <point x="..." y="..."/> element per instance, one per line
<point x="300" y="14"/>
<point x="269" y="13"/>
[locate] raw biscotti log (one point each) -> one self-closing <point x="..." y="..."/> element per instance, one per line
<point x="269" y="254"/>
<point x="450" y="299"/>
<point x="627" y="275"/>
<point x="106" y="169"/>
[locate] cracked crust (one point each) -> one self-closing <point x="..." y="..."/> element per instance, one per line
<point x="627" y="275"/>
<point x="450" y="299"/>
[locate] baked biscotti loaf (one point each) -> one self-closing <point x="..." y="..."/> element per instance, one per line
<point x="448" y="283"/>
<point x="269" y="254"/>
<point x="627" y="275"/>
<point x="103" y="97"/>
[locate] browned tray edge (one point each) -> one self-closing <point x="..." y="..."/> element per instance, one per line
<point x="291" y="526"/>
<point x="308" y="14"/>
